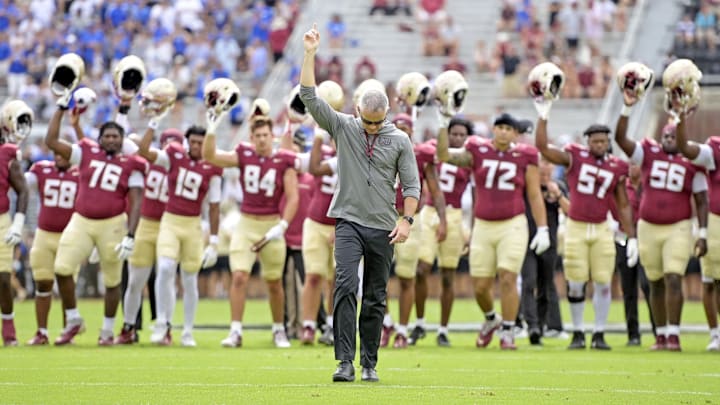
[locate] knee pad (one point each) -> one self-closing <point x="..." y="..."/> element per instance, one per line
<point x="576" y="291"/>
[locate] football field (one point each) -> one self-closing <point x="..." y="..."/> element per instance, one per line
<point x="260" y="373"/>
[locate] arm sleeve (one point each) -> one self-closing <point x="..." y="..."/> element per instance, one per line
<point x="333" y="163"/>
<point x="129" y="147"/>
<point x="324" y="115"/>
<point x="136" y="180"/>
<point x="163" y="159"/>
<point x="638" y="154"/>
<point x="302" y="162"/>
<point x="32" y="182"/>
<point x="705" y="158"/>
<point x="699" y="183"/>
<point x="75" y="155"/>
<point x="215" y="190"/>
<point x="407" y="169"/>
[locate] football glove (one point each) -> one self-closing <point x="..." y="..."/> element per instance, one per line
<point x="64" y="101"/>
<point x="124" y="249"/>
<point x="213" y="121"/>
<point x="210" y="255"/>
<point x="14" y="234"/>
<point x="631" y="252"/>
<point x="94" y="256"/>
<point x="543" y="108"/>
<point x="541" y="241"/>
<point x="277" y="231"/>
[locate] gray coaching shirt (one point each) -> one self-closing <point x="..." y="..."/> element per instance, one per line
<point x="367" y="166"/>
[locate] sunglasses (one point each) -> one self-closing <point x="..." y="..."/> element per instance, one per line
<point x="368" y="122"/>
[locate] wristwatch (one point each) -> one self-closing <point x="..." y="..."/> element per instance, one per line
<point x="409" y="219"/>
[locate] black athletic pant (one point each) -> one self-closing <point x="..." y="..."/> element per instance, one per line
<point x="539" y="299"/>
<point x="353" y="242"/>
<point x="629" y="278"/>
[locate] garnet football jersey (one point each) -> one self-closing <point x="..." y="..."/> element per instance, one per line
<point x="714" y="181"/>
<point x="453" y="180"/>
<point x="104" y="179"/>
<point x="499" y="178"/>
<point x="8" y="153"/>
<point x="592" y="183"/>
<point x="669" y="181"/>
<point x="262" y="179"/>
<point x="293" y="235"/>
<point x="156" y="193"/>
<point x="424" y="155"/>
<point x="188" y="181"/>
<point x="57" y="190"/>
<point x="323" y="190"/>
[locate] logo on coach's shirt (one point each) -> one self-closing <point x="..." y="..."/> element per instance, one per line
<point x="385" y="141"/>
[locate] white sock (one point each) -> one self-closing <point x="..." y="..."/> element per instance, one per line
<point x="420" y="322"/>
<point x="387" y="321"/>
<point x="329" y="321"/>
<point x="236" y="326"/>
<point x="443" y="330"/>
<point x="310" y="324"/>
<point x="576" y="313"/>
<point x="190" y="299"/>
<point x="673" y="330"/>
<point x="661" y="330"/>
<point x="165" y="289"/>
<point x="278" y="327"/>
<point x="714" y="332"/>
<point x="137" y="278"/>
<point x="401" y="330"/>
<point x="72" y="313"/>
<point x="601" y="303"/>
<point x="109" y="324"/>
<point x="8" y="317"/>
<point x="43" y="331"/>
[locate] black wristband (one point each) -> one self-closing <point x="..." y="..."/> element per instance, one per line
<point x="409" y="219"/>
<point x="123" y="109"/>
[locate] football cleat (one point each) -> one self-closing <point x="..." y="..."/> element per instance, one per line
<point x="39" y="339"/>
<point x="16" y="120"/>
<point x="66" y="74"/>
<point x="635" y="78"/>
<point x="507" y="341"/>
<point x="578" y="341"/>
<point x="73" y="328"/>
<point x="158" y="97"/>
<point x="8" y="333"/>
<point x="545" y="81"/>
<point x="442" y="340"/>
<point x="487" y="331"/>
<point x="221" y="95"/>
<point x="450" y="90"/>
<point x="660" y="343"/>
<point x="413" y="89"/>
<point x="161" y="335"/>
<point x="401" y="342"/>
<point x="128" y="77"/>
<point x="417" y="333"/>
<point x="598" y="342"/>
<point x="332" y="93"/>
<point x="187" y="340"/>
<point x="714" y="344"/>
<point x="127" y="335"/>
<point x="280" y="339"/>
<point x="673" y="343"/>
<point x="633" y="341"/>
<point x="387" y="332"/>
<point x="106" y="338"/>
<point x="234" y="339"/>
<point x="307" y="336"/>
<point x="327" y="337"/>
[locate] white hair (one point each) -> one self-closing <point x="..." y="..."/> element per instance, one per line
<point x="374" y="101"/>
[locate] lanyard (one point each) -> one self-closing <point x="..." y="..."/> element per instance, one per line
<point x="370" y="147"/>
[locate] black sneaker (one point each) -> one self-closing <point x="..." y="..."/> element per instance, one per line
<point x="535" y="335"/>
<point x="417" y="333"/>
<point x="369" y="375"/>
<point x="578" y="341"/>
<point x="345" y="372"/>
<point x="442" y="340"/>
<point x="598" y="341"/>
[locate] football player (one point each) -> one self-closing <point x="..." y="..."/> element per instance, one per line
<point x="593" y="178"/>
<point x="108" y="181"/>
<point x="407" y="254"/>
<point x="669" y="182"/>
<point x="15" y="123"/>
<point x="707" y="155"/>
<point x="266" y="175"/>
<point x="453" y="181"/>
<point x="189" y="180"/>
<point x="56" y="183"/>
<point x="503" y="171"/>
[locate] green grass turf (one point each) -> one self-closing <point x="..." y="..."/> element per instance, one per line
<point x="260" y="373"/>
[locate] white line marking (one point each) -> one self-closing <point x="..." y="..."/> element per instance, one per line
<point x="355" y="386"/>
